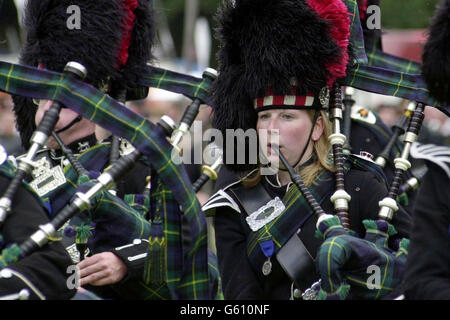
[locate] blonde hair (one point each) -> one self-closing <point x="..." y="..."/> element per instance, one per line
<point x="321" y="152"/>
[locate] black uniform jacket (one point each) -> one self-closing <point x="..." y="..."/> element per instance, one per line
<point x="45" y="273"/>
<point x="428" y="266"/>
<point x="241" y="281"/>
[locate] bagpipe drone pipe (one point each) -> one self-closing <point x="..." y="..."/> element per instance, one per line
<point x="38" y="140"/>
<point x="379" y="61"/>
<point x="371" y="268"/>
<point x="346" y="262"/>
<point x="184" y="264"/>
<point x="344" y="259"/>
<point x="375" y="71"/>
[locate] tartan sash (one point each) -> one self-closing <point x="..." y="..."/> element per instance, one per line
<point x="169" y="270"/>
<point x="114" y="222"/>
<point x="294" y="216"/>
<point x="378" y="58"/>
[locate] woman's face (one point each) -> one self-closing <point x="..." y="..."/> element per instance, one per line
<point x="293" y="128"/>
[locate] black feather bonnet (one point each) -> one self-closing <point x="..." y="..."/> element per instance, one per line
<point x="436" y="54"/>
<point x="113" y="41"/>
<point x="270" y="45"/>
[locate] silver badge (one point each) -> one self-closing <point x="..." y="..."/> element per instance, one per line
<point x="265" y="214"/>
<point x="46" y="179"/>
<point x="324" y="97"/>
<point x="73" y="253"/>
<point x="267" y="267"/>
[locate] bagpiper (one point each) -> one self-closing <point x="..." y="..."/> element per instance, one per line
<point x="113" y="40"/>
<point x="279" y="68"/>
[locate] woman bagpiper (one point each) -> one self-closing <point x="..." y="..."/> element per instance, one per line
<point x="278" y="62"/>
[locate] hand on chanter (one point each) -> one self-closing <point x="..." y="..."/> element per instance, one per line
<point x="102" y="269"/>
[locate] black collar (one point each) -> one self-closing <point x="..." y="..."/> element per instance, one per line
<point x="77" y="147"/>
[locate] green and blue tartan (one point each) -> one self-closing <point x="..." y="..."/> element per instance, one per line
<point x="115" y="222"/>
<point x="9" y="254"/>
<point x="189" y="86"/>
<point x="380" y="59"/>
<point x="103" y="110"/>
<point x="298" y="210"/>
<point x="392" y="83"/>
<point x="121" y="224"/>
<point x="343" y="261"/>
<point x="168" y="271"/>
<point x="356" y="32"/>
<point x="42" y="84"/>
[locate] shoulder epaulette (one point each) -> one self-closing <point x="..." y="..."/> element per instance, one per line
<point x="439" y="155"/>
<point x="222" y="199"/>
<point x="366" y="164"/>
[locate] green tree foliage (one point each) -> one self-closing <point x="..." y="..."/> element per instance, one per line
<point x="395" y="14"/>
<point x="206" y="5"/>
<point x="174" y="10"/>
<point x="407" y="14"/>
